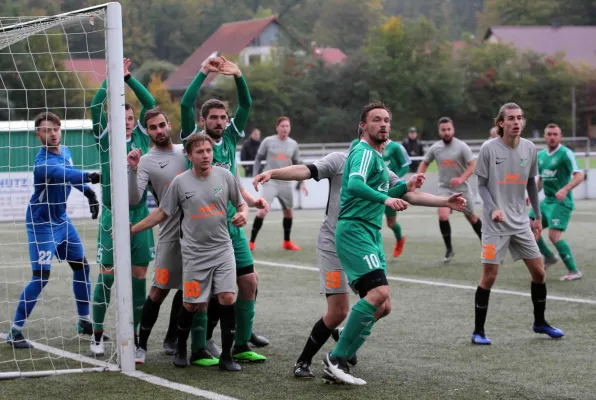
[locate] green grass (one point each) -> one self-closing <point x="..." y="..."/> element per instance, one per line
<point x="422" y="350"/>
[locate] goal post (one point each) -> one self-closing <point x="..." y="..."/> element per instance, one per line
<point x="33" y="53"/>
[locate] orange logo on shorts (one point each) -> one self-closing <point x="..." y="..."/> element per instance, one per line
<point x="488" y="251"/>
<point x="333" y="280"/>
<point x="192" y="289"/>
<point x="162" y="276"/>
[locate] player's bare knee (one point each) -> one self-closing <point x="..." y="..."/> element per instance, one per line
<point x="444" y="214"/>
<point x="288" y="213"/>
<point x="158" y="295"/>
<point x="191" y="307"/>
<point x="226" y="298"/>
<point x="554" y="235"/>
<point x="378" y="295"/>
<point x="391" y="222"/>
<point x="139" y="272"/>
<point x="202" y="307"/>
<point x="261" y="214"/>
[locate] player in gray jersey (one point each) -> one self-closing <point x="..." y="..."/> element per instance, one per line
<point x="209" y="266"/>
<point x="455" y="163"/>
<point x="506" y="168"/>
<point x="157" y="169"/>
<point x="278" y="151"/>
<point x="334" y="282"/>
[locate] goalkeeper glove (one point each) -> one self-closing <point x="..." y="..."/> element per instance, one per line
<point x="93" y="177"/>
<point x="93" y="203"/>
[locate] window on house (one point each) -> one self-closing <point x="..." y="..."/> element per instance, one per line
<point x="254" y="59"/>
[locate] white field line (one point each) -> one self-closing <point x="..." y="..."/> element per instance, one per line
<point x="154" y="380"/>
<point x="437" y="283"/>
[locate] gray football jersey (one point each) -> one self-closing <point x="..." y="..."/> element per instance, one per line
<point x="507" y="171"/>
<point x="279" y="153"/>
<point x="452" y="160"/>
<point x="204" y="201"/>
<point x="332" y="167"/>
<point x="157" y="169"/>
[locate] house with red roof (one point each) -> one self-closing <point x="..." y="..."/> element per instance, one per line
<point x="252" y="41"/>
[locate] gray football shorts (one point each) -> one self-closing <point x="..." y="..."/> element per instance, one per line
<point x="282" y="190"/>
<point x="168" y="266"/>
<point x="200" y="283"/>
<point x="469" y="208"/>
<point x="333" y="278"/>
<point x="521" y="246"/>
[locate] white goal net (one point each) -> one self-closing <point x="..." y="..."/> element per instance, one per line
<point x="56" y="64"/>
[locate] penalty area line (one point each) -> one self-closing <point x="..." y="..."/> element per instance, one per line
<point x="437" y="283"/>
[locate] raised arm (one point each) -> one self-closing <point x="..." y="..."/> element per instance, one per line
<point x="146" y="99"/>
<point x="98" y="113"/>
<point x="244" y="99"/>
<point x="187" y="112"/>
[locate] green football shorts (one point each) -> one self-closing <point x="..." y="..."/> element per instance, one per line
<point x="142" y="245"/>
<point x="554" y="214"/>
<point x="242" y="252"/>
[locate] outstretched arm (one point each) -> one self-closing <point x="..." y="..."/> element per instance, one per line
<point x="155" y="218"/>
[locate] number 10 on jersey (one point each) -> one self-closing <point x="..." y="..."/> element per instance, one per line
<point x="372" y="260"/>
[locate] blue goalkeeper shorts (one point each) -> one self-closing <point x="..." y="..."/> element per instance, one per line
<point x="60" y="240"/>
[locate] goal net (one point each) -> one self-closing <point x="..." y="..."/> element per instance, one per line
<point x="56" y="64"/>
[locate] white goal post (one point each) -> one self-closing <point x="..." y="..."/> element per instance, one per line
<point x="55" y="349"/>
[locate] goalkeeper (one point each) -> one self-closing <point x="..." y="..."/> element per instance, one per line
<point x="49" y="229"/>
<point x="142" y="245"/>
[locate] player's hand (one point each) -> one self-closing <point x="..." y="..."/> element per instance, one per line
<point x="415" y="182"/>
<point x="133" y="158"/>
<point x="456" y="182"/>
<point x="126" y="67"/>
<point x="457" y="202"/>
<point x="497" y="216"/>
<point x="262" y="204"/>
<point x="396" y="204"/>
<point x="561" y="195"/>
<point x="93" y="202"/>
<point x="212" y="64"/>
<point x="527" y="200"/>
<point x="537" y="228"/>
<point x="304" y="188"/>
<point x="239" y="220"/>
<point x="132" y="232"/>
<point x="229" y="68"/>
<point x="262" y="178"/>
<point x="93" y="177"/>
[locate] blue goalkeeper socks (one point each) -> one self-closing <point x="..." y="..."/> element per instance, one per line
<point x="28" y="300"/>
<point x="81" y="287"/>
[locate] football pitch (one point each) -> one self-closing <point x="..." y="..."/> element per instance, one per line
<point x="422" y="350"/>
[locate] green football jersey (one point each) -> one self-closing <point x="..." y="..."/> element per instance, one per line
<point x="354" y="143"/>
<point x="224" y="154"/>
<point x="369" y="164"/>
<point x="556" y="170"/>
<point x="138" y="140"/>
<point x="396" y="158"/>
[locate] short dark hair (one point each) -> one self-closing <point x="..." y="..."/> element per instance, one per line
<point x="214" y="103"/>
<point x="46" y="116"/>
<point x="196" y="140"/>
<point x="154" y="112"/>
<point x="281" y="119"/>
<point x="553" y="125"/>
<point x="372" y="106"/>
<point x="501" y="115"/>
<point x="128" y="106"/>
<point x="444" y="120"/>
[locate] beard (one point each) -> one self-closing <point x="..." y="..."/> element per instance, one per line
<point x="377" y="139"/>
<point x="447" y="140"/>
<point x="213" y="134"/>
<point x="163" y="140"/>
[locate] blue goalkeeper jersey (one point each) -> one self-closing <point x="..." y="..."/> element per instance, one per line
<point x="53" y="179"/>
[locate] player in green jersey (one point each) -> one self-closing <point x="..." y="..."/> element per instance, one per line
<point x="397" y="160"/>
<point x="141" y="246"/>
<point x="364" y="195"/>
<point x="226" y="133"/>
<point x="559" y="174"/>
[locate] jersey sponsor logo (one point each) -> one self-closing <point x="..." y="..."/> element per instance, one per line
<point x="218" y="192"/>
<point x="189" y="194"/>
<point x="383" y="187"/>
<point x="448" y="164"/>
<point x="164" y="164"/>
<point x="207" y="212"/>
<point x="556" y="221"/>
<point x="501" y="160"/>
<point x="280" y="157"/>
<point x="224" y="152"/>
<point x="548" y="174"/>
<point x="227" y="166"/>
<point x="512" y="179"/>
<point x="523" y="161"/>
